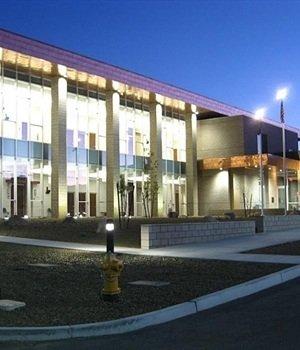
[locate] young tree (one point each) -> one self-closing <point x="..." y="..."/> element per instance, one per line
<point x="151" y="189"/>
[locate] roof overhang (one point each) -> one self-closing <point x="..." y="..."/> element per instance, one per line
<point x="34" y="48"/>
<point x="85" y="68"/>
<point x="246" y="161"/>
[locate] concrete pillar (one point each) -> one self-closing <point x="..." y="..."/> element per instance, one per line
<point x="272" y="194"/>
<point x="1" y="109"/>
<point x="112" y="148"/>
<point x="298" y="193"/>
<point x="156" y="150"/>
<point x="231" y="188"/>
<point x="191" y="161"/>
<point x="58" y="143"/>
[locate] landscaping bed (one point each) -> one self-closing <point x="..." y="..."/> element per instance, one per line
<point x="69" y="291"/>
<point x="85" y="230"/>
<point x="290" y="248"/>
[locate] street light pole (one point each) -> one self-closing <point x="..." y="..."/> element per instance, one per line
<point x="259" y="115"/>
<point x="280" y="96"/>
<point x="283" y="155"/>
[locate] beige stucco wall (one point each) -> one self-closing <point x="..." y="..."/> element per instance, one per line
<point x="221" y="137"/>
<point x="214" y="194"/>
<point x="213" y="191"/>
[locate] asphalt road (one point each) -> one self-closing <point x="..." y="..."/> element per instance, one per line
<point x="267" y="320"/>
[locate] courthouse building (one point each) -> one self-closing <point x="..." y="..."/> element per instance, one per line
<point x="70" y="125"/>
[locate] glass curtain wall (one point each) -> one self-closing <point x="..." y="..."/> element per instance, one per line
<point x="134" y="128"/>
<point x="86" y="152"/>
<point x="25" y="131"/>
<point x="174" y="160"/>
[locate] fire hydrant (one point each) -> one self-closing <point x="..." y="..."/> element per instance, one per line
<point x="111" y="268"/>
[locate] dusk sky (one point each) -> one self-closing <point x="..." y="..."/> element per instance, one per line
<point x="238" y="52"/>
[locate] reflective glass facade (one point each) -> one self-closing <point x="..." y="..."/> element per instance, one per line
<point x="61" y="114"/>
<point x="25" y="130"/>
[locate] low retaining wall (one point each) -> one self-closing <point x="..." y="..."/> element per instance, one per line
<point x="281" y="222"/>
<point x="162" y="235"/>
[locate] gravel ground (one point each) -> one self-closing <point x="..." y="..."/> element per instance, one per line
<point x="69" y="292"/>
<point x="290" y="248"/>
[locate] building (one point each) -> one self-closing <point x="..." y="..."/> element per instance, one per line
<point x="229" y="176"/>
<point x="70" y="125"/>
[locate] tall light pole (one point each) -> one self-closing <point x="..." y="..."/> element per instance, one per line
<point x="259" y="115"/>
<point x="281" y="96"/>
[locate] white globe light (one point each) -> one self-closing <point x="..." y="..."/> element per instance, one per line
<point x="260" y="113"/>
<point x="281" y="94"/>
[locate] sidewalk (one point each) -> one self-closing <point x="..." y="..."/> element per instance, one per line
<point x="227" y="249"/>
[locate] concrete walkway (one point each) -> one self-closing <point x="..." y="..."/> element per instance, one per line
<point x="227" y="249"/>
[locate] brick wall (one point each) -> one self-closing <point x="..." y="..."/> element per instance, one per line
<point x="278" y="223"/>
<point x="162" y="235"/>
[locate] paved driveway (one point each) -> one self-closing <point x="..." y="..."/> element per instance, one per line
<point x="267" y="320"/>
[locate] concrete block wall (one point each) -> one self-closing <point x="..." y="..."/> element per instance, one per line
<point x="163" y="235"/>
<point x="281" y="222"/>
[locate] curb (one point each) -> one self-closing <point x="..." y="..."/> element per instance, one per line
<point x="133" y="323"/>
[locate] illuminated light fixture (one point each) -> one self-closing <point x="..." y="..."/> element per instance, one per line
<point x="281" y="94"/>
<point x="270" y="168"/>
<point x="75" y="217"/>
<point x="109" y="226"/>
<point x="68" y="215"/>
<point x="221" y="169"/>
<point x="255" y="166"/>
<point x="25" y="217"/>
<point x="6" y="217"/>
<point x="260" y="113"/>
<point x="280" y="170"/>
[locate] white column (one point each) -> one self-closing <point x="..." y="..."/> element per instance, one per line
<point x="191" y="160"/>
<point x="156" y="150"/>
<point x="112" y="148"/>
<point x="58" y="143"/>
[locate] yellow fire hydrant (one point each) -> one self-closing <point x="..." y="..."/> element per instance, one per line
<point x="111" y="268"/>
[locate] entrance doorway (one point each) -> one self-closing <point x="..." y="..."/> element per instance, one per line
<point x="92" y="204"/>
<point x="71" y="203"/>
<point x="131" y="199"/>
<point x="21" y="197"/>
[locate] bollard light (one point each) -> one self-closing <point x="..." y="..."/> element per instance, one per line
<point x="110" y="227"/>
<point x="111" y="266"/>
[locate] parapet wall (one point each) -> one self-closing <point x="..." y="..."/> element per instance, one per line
<point x="162" y="235"/>
<point x="281" y="222"/>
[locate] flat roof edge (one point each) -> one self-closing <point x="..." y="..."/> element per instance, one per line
<point x="31" y="47"/>
<point x="35" y="48"/>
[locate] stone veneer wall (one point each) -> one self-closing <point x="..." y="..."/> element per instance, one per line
<point x="281" y="222"/>
<point x="162" y="235"/>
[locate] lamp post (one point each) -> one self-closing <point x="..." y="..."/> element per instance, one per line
<point x="259" y="115"/>
<point x="281" y="96"/>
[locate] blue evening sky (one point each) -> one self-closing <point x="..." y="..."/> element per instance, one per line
<point x="238" y="52"/>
